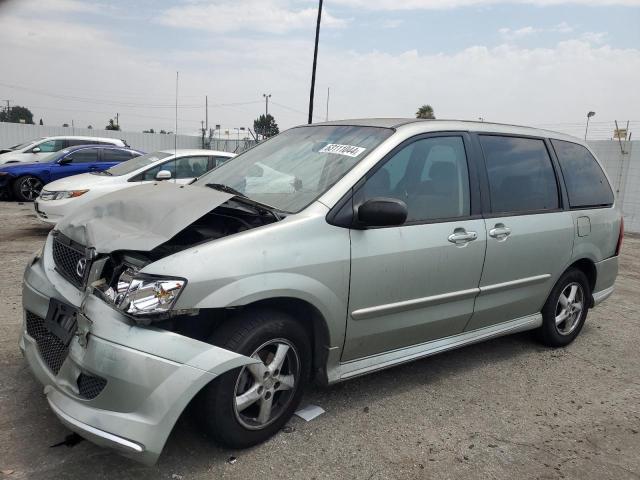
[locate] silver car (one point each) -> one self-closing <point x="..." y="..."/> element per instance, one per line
<point x="394" y="240"/>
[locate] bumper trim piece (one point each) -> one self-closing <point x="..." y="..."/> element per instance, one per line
<point x="602" y="295"/>
<point x="80" y="427"/>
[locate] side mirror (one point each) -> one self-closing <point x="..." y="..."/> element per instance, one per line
<point x="65" y="161"/>
<point x="382" y="212"/>
<point x="163" y="175"/>
<point x="35" y="150"/>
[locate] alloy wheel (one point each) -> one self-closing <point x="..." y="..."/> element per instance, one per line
<point x="264" y="390"/>
<point x="30" y="188"/>
<point x="569" y="308"/>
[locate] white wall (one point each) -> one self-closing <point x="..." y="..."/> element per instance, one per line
<point x="14" y="133"/>
<point x="624" y="171"/>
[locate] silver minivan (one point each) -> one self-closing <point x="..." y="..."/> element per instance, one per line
<point x="327" y="252"/>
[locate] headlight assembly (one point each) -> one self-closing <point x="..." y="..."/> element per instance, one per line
<point x="139" y="294"/>
<point x="47" y="195"/>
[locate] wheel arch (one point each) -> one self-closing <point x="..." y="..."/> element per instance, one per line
<point x="588" y="267"/>
<point x="312" y="320"/>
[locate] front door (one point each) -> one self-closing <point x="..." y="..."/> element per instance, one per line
<point x="76" y="162"/>
<point x="529" y="235"/>
<point x="416" y="282"/>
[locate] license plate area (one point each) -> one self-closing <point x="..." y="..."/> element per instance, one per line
<point x="61" y="320"/>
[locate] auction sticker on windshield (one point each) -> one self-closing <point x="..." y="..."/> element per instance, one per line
<point x="348" y="150"/>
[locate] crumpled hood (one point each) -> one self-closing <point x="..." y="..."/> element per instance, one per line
<point x="141" y="217"/>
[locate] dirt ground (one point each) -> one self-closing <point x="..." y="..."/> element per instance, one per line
<point x="508" y="408"/>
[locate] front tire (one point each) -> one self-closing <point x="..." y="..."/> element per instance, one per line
<point x="246" y="406"/>
<point x="27" y="188"/>
<point x="565" y="311"/>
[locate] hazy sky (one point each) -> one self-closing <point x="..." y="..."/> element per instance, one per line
<point x="539" y="62"/>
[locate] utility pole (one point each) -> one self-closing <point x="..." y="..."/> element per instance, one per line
<point x="206" y="112"/>
<point x="8" y="108"/>
<point x="327" y="117"/>
<point x="266" y="106"/>
<point x="315" y="61"/>
<point x="117" y="119"/>
<point x="203" y="132"/>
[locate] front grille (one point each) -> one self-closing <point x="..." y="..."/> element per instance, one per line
<point x="90" y="386"/>
<point x="71" y="260"/>
<point x="51" y="348"/>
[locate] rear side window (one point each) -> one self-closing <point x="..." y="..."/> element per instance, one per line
<point x="86" y="155"/>
<point x="521" y="177"/>
<point x="586" y="183"/>
<point x="109" y="155"/>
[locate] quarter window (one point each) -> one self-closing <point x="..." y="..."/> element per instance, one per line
<point x="430" y="175"/>
<point x="521" y="177"/>
<point x="586" y="183"/>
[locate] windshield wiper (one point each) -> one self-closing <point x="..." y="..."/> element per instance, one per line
<point x="260" y="207"/>
<point x="226" y="188"/>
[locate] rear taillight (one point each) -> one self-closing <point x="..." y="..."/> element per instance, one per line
<point x="620" y="236"/>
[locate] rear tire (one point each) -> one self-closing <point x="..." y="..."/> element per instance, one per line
<point x="565" y="311"/>
<point x="27" y="188"/>
<point x="246" y="406"/>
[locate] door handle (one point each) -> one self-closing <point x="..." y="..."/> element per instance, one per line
<point x="500" y="231"/>
<point x="461" y="237"/>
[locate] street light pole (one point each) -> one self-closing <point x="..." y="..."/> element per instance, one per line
<point x="266" y="104"/>
<point x="315" y="61"/>
<point x="589" y="115"/>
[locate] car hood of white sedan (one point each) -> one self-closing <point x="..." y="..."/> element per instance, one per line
<point x="139" y="218"/>
<point x="81" y="182"/>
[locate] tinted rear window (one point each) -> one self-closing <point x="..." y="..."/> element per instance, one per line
<point x="586" y="183"/>
<point x="521" y="177"/>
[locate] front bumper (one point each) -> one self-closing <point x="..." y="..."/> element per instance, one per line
<point x="47" y="212"/>
<point x="151" y="375"/>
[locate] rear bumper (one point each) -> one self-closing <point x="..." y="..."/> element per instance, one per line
<point x="606" y="273"/>
<point x="149" y="375"/>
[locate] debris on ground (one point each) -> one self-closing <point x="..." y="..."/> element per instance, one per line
<point x="309" y="412"/>
<point x="232" y="460"/>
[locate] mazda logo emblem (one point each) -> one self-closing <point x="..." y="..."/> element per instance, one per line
<point x="80" y="267"/>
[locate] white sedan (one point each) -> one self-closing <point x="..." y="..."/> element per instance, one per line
<point x="59" y="198"/>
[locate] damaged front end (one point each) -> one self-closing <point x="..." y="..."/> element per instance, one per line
<point x="150" y="359"/>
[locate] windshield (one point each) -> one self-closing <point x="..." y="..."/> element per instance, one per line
<point x="137" y="163"/>
<point x="20" y="146"/>
<point x="294" y="168"/>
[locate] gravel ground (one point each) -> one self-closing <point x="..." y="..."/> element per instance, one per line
<point x="508" y="408"/>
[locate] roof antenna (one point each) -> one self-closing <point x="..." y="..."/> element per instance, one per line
<point x="175" y="133"/>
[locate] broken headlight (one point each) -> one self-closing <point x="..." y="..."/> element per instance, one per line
<point x="139" y="294"/>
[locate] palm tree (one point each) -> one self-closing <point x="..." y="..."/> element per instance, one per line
<point x="425" y="111"/>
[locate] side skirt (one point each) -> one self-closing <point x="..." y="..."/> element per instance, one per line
<point x="365" y="365"/>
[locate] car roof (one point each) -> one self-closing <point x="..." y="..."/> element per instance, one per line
<point x="89" y="145"/>
<point x="190" y="151"/>
<point x="80" y="137"/>
<point x="454" y="125"/>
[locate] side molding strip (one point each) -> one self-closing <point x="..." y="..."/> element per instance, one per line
<point x="397" y="357"/>
<point x="515" y="283"/>
<point x="412" y="304"/>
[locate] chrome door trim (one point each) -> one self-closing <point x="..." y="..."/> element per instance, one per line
<point x="414" y="303"/>
<point x="396" y="357"/>
<point x="515" y="283"/>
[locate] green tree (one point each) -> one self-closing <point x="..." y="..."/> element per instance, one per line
<point x="65" y="124"/>
<point x="90" y="127"/>
<point x="112" y="125"/>
<point x="17" y="114"/>
<point x="41" y="122"/>
<point x="425" y="111"/>
<point x="151" y="130"/>
<point x="266" y="126"/>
